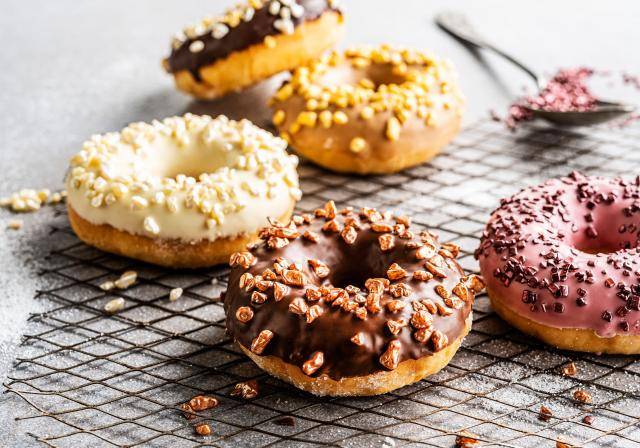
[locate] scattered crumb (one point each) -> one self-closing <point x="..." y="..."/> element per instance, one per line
<point x="582" y="396"/>
<point x="126" y="279"/>
<point x="285" y="421"/>
<point x="175" y="294"/>
<point x="588" y="419"/>
<point x="247" y="389"/>
<point x="545" y="414"/>
<point x="114" y="305"/>
<point x="15" y="224"/>
<point x="203" y="429"/>
<point x="570" y="369"/>
<point x="466" y="440"/>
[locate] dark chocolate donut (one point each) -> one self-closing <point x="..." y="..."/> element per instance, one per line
<point x="342" y="295"/>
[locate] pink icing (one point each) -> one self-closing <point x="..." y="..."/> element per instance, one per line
<point x="565" y="254"/>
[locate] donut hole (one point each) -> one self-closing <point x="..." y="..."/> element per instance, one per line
<point x="357" y="267"/>
<point x="609" y="238"/>
<point x="192" y="160"/>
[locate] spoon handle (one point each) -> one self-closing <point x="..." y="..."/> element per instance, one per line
<point x="459" y="27"/>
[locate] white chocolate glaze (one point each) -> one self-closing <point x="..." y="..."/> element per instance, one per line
<point x="189" y="178"/>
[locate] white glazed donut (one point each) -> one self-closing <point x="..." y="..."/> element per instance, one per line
<point x="185" y="192"/>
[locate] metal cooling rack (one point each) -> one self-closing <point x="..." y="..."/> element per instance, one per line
<point x="89" y="379"/>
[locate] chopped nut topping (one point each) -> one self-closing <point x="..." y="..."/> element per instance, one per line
<point x="422" y="335"/>
<point x="396" y="272"/>
<point x="395" y="306"/>
<point x="263" y="285"/>
<point x="246" y="389"/>
<point x="442" y="310"/>
<point x="381" y="227"/>
<point x="430" y="306"/>
<point x="358" y="145"/>
<point x="453" y="248"/>
<point x="349" y="234"/>
<point x="311" y="236"/>
<point x="358" y="339"/>
<point x="395" y="326"/>
<point x="244" y="259"/>
<point x="244" y="314"/>
<point x="331" y="226"/>
<point x="260" y="342"/>
<point x="373" y="303"/>
<point x="475" y="283"/>
<point x="391" y="357"/>
<point x="439" y="340"/>
<point x="313" y="364"/>
<point x="376" y="285"/>
<point x="258" y="297"/>
<point x="330" y="210"/>
<point x="421" y="319"/>
<point x="293" y="278"/>
<point x="425" y="252"/>
<point x="107" y="286"/>
<point x="386" y="242"/>
<point x="361" y="313"/>
<point x="435" y="270"/>
<point x="422" y="276"/>
<point x="320" y="269"/>
<point x="279" y="291"/>
<point x="247" y="281"/>
<point x="570" y="369"/>
<point x="462" y="291"/>
<point x="562" y="444"/>
<point x="400" y="290"/>
<point x="313" y="294"/>
<point x="298" y="306"/>
<point x="453" y="302"/>
<point x="277" y="243"/>
<point x="442" y="291"/>
<point x="582" y="396"/>
<point x="313" y="313"/>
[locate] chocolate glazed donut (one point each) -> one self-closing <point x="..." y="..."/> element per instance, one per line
<point x="346" y="303"/>
<point x="252" y="42"/>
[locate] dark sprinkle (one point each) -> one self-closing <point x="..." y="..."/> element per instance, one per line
<point x="588" y="419"/>
<point x="285" y="421"/>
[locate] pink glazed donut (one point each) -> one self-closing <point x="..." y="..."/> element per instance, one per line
<point x="561" y="263"/>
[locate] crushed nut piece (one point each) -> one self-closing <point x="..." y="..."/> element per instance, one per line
<point x="298" y="306"/>
<point x="358" y="339"/>
<point x="396" y="272"/>
<point x="247" y="281"/>
<point x="313" y="364"/>
<point x="391" y="357"/>
<point x="203" y="429"/>
<point x="244" y="314"/>
<point x="421" y="319"/>
<point x="465" y="439"/>
<point x="320" y="268"/>
<point x="582" y="396"/>
<point x="202" y="403"/>
<point x="423" y="276"/>
<point x="244" y="259"/>
<point x="258" y="297"/>
<point x="311" y="236"/>
<point x="439" y="340"/>
<point x="246" y="389"/>
<point x="313" y="313"/>
<point x="293" y="277"/>
<point x="279" y="291"/>
<point x="545" y="414"/>
<point x="349" y="235"/>
<point x="261" y="341"/>
<point x="386" y="242"/>
<point x="15" y="224"/>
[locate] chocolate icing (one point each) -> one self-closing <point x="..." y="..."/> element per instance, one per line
<point x="239" y="38"/>
<point x="295" y="340"/>
<point x="565" y="254"/>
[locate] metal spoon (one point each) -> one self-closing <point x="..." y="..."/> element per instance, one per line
<point x="457" y="25"/>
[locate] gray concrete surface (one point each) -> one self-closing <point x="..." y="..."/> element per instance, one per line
<point x="70" y="69"/>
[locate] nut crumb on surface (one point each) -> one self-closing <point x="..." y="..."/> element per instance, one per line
<point x="246" y="389"/>
<point x="115" y="305"/>
<point x="466" y="440"/>
<point x="570" y="369"/>
<point x="582" y="396"/>
<point x="203" y="429"/>
<point x="175" y="294"/>
<point x="15" y="224"/>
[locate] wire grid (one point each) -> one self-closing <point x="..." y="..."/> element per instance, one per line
<point x="96" y="380"/>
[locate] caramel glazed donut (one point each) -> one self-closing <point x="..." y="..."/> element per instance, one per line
<point x="251" y="43"/>
<point x="341" y="303"/>
<point x="370" y="110"/>
<point x="561" y="262"/>
<point x="185" y="192"/>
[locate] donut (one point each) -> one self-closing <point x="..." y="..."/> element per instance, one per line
<point x="250" y="43"/>
<point x="340" y="302"/>
<point x="370" y="110"/>
<point x="185" y="192"/>
<point x="561" y="263"/>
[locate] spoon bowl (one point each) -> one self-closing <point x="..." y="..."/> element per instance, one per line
<point x="602" y="112"/>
